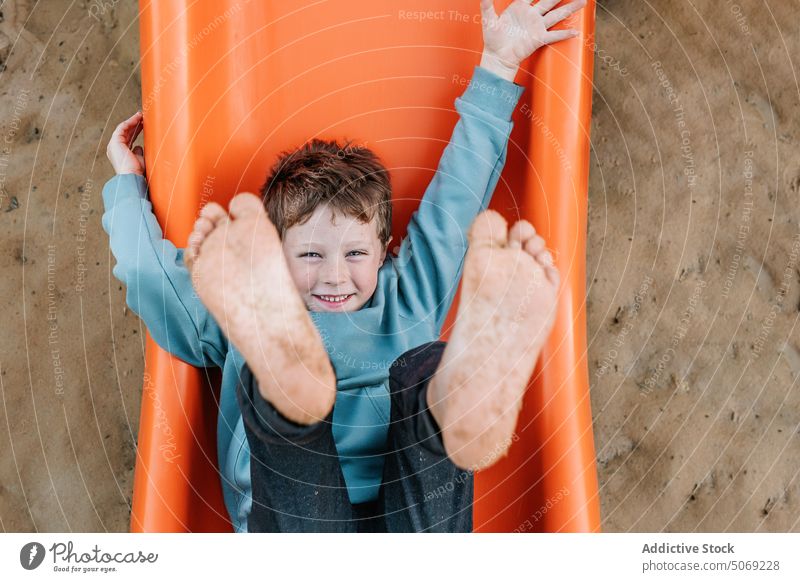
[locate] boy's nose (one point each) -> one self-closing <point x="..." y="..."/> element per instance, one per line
<point x="333" y="273"/>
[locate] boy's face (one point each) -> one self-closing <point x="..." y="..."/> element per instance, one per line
<point x="334" y="260"/>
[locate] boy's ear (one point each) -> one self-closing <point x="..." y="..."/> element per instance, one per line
<point x="386" y="248"/>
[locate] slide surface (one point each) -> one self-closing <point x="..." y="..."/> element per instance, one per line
<point x="227" y="85"/>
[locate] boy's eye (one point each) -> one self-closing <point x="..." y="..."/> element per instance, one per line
<point x="311" y="254"/>
<point x="355" y="253"/>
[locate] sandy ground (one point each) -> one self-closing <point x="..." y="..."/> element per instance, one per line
<point x="693" y="268"/>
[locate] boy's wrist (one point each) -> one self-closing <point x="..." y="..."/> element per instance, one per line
<point x="503" y="69"/>
<point x="123" y="186"/>
<point x="492" y="93"/>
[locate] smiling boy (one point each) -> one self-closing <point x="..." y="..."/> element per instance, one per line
<point x="351" y="409"/>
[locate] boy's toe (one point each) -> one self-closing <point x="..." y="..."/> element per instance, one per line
<point x="190" y="255"/>
<point x="244" y="205"/>
<point x="520" y="233"/>
<point x="489" y="229"/>
<point x="534" y="245"/>
<point x="553" y="275"/>
<point x="202" y="226"/>
<point x="214" y="213"/>
<point x="545" y="258"/>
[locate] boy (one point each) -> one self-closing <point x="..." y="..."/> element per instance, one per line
<point x="322" y="467"/>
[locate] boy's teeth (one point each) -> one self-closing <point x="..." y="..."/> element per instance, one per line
<point x="334" y="298"/>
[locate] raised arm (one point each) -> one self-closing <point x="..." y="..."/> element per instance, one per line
<point x="430" y="258"/>
<point x="159" y="287"/>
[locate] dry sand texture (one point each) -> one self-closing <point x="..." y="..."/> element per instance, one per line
<point x="71" y="352"/>
<point x="693" y="267"/>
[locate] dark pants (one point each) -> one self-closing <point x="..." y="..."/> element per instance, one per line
<point x="298" y="485"/>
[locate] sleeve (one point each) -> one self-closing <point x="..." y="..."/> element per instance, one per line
<point x="159" y="286"/>
<point x="430" y="258"/>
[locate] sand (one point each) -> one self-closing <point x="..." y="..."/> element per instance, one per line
<point x="72" y="354"/>
<point x="693" y="268"/>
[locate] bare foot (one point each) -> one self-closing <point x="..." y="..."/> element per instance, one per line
<point x="240" y="274"/>
<point x="507" y="310"/>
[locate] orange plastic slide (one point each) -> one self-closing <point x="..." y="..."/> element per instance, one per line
<point x="228" y="84"/>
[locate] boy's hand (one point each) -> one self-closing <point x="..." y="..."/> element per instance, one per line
<point x="513" y="36"/>
<point x="125" y="160"/>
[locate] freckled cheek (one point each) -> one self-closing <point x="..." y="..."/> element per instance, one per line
<point x="304" y="277"/>
<point x="309" y="278"/>
<point x="365" y="278"/>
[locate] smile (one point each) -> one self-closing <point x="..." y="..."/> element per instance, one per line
<point x="333" y="299"/>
